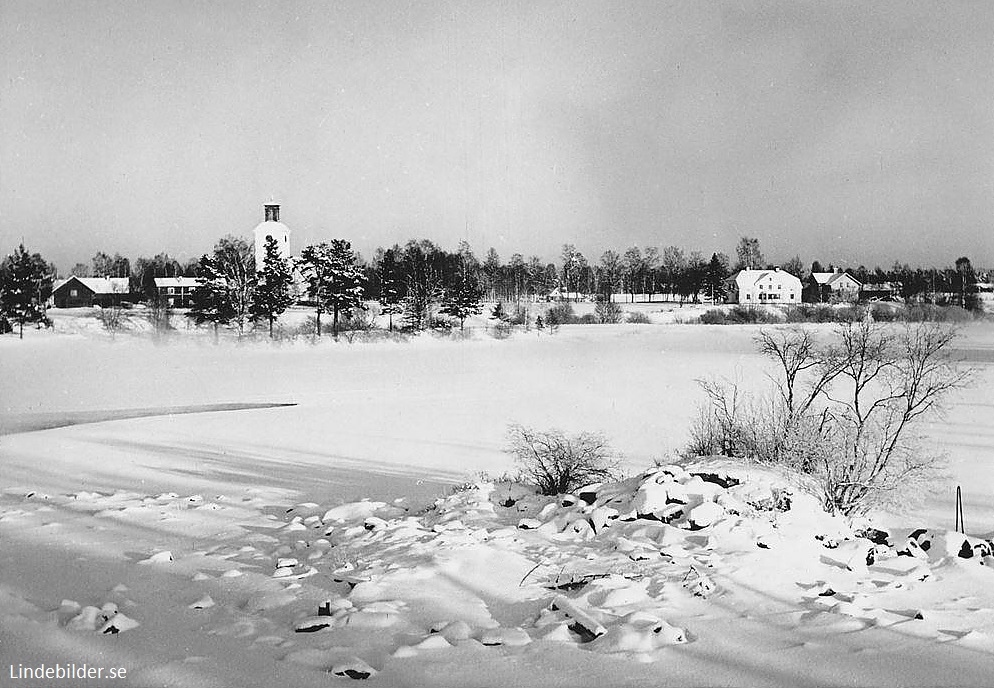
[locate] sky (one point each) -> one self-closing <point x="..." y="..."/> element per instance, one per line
<point x="847" y="132"/>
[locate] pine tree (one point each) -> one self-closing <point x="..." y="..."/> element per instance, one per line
<point x="211" y="297"/>
<point x="391" y="285"/>
<point x="464" y="300"/>
<point x="272" y="289"/>
<point x="334" y="279"/>
<point x="25" y="284"/>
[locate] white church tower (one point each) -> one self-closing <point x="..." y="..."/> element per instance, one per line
<point x="271" y="227"/>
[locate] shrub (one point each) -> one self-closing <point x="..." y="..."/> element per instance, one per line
<point x="638" y="318"/>
<point x="823" y="313"/>
<point x="157" y="313"/>
<point x="586" y="319"/>
<point x="520" y="316"/>
<point x="607" y="311"/>
<point x="843" y="414"/>
<point x="560" y="314"/>
<point x="714" y="316"/>
<point x="460" y="335"/>
<point x="737" y="315"/>
<point x="112" y="318"/>
<point x="884" y="313"/>
<point x="749" y="315"/>
<point x="850" y="313"/>
<point x="356" y="319"/>
<point x="556" y="463"/>
<point x="501" y="330"/>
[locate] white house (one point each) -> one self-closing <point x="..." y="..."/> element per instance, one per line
<point x="753" y="287"/>
<point x="176" y="291"/>
<point x="833" y="286"/>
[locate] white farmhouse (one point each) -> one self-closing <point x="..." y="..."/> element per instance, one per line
<point x="753" y="287"/>
<point x="177" y="292"/>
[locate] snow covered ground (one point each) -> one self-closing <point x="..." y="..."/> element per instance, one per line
<point x="230" y="535"/>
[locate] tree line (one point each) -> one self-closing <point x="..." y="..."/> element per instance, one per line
<point x="415" y="282"/>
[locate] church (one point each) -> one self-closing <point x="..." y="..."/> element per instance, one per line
<point x="271" y="227"/>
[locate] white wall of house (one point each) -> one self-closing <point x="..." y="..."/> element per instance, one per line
<point x="761" y="287"/>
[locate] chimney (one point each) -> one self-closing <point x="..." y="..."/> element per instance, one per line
<point x="272" y="212"/>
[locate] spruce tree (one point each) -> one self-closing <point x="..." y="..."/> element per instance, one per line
<point x="346" y="291"/>
<point x="211" y="297"/>
<point x="391" y="278"/>
<point x="272" y="289"/>
<point x="464" y="300"/>
<point x="714" y="279"/>
<point x="25" y="284"/>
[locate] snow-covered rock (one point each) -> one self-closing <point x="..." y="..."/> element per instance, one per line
<point x="353" y="668"/>
<point x="204" y="602"/>
<point x="118" y="623"/>
<point x="512" y="637"/>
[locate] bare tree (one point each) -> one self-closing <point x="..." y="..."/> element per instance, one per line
<point x="234" y="261"/>
<point x="556" y="463"/>
<point x="845" y="413"/>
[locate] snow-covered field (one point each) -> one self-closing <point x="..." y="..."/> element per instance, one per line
<point x="205" y="493"/>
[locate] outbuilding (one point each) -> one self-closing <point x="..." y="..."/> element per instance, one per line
<point x="832" y="287"/>
<point x="79" y="292"/>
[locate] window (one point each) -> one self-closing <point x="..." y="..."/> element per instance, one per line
<point x="779" y="286"/>
<point x="74" y="293"/>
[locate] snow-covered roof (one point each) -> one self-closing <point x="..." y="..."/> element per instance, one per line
<point x="100" y="285"/>
<point x="756" y="276"/>
<point x="831" y="278"/>
<point x="161" y="282"/>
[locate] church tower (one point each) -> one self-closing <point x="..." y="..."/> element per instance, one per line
<point x="271" y="227"/>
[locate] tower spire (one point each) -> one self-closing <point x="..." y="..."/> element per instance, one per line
<point x="272" y="211"/>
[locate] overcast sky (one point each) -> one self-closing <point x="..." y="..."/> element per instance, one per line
<point x="853" y="132"/>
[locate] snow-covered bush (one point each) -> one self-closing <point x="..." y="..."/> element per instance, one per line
<point x="638" y="318"/>
<point x="520" y="316"/>
<point x="608" y="312"/>
<point x="560" y="314"/>
<point x="501" y="330"/>
<point x="556" y="463"/>
<point x="843" y="413"/>
<point x="714" y="316"/>
<point x="112" y="318"/>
